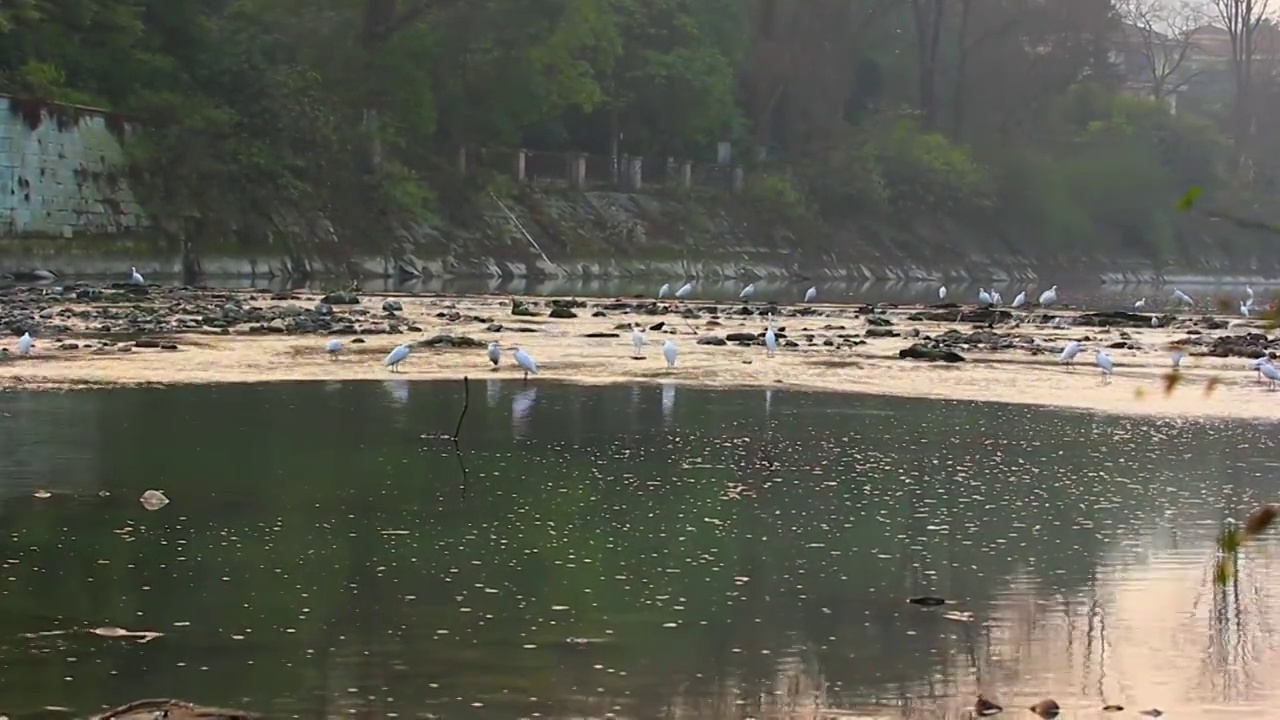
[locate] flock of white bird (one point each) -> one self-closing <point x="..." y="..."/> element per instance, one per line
<point x="986" y="298"/>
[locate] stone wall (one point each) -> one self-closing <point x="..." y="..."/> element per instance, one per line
<point x="60" y="172"/>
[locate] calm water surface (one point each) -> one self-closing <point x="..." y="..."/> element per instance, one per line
<point x="651" y="552"/>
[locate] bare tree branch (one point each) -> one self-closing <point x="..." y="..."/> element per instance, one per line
<point x="1165" y="39"/>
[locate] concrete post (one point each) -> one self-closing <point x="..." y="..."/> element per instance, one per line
<point x="739" y="179"/>
<point x="686" y="174"/>
<point x="519" y="165"/>
<point x="577" y="165"/>
<point x="635" y="173"/>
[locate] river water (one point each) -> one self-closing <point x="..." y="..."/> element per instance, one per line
<point x="646" y="552"/>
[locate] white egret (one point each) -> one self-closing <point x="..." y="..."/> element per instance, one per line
<point x="1270" y="373"/>
<point x="525" y="362"/>
<point x="333" y="347"/>
<point x="1104" y="364"/>
<point x="24" y="344"/>
<point x="1182" y="297"/>
<point x="942" y="293"/>
<point x="1248" y="289"/>
<point x="669" y="352"/>
<point x="1155" y="321"/>
<point x="684" y="291"/>
<point x="396" y="356"/>
<point x="770" y="339"/>
<point x="811" y="294"/>
<point x="637" y="341"/>
<point x="1142" y="302"/>
<point x="135" y="277"/>
<point x="494" y="355"/>
<point x="1068" y="356"/>
<point x="747" y="292"/>
<point x="1176" y="358"/>
<point x="1049" y="297"/>
<point x="1256" y="365"/>
<point x="1020" y="299"/>
<point x="996" y="298"/>
<point x="984" y="298"/>
<point x="1244" y="309"/>
<point x="664" y="290"/>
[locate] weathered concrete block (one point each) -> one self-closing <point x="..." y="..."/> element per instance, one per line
<point x="51" y="178"/>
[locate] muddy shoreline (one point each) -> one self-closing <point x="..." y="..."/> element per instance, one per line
<point x="105" y="336"/>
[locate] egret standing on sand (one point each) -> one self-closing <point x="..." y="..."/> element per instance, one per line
<point x="1256" y="365"/>
<point x="1142" y="302"/>
<point x="1176" y="358"/>
<point x="684" y="291"/>
<point x="1182" y="297"/>
<point x="135" y="277"/>
<point x="333" y="347"/>
<point x="996" y="298"/>
<point x="1019" y="299"/>
<point x="770" y="339"/>
<point x="942" y="293"/>
<point x="664" y="290"/>
<point x="24" y="344"/>
<point x="984" y="298"/>
<point x="669" y="352"/>
<point x="525" y="362"/>
<point x="1069" y="353"/>
<point x="1104" y="364"/>
<point x="396" y="356"/>
<point x="747" y="292"/>
<point x="494" y="356"/>
<point x="1049" y="297"/>
<point x="811" y="294"/>
<point x="1270" y="373"/>
<point x="637" y="341"/>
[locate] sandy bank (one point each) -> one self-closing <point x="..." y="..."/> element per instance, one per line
<point x="832" y="354"/>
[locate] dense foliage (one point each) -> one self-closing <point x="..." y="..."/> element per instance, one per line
<point x="293" y="121"/>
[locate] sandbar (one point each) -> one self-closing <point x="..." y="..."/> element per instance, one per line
<point x="826" y="358"/>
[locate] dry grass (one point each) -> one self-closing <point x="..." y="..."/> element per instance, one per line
<point x="1013" y="375"/>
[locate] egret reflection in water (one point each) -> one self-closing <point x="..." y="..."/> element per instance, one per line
<point x="398" y="390"/>
<point x="668" y="403"/>
<point x="492" y="392"/>
<point x="521" y="408"/>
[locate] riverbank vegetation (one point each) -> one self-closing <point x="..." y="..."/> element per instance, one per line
<point x="300" y="122"/>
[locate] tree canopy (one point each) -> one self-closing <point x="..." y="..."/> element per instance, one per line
<point x="291" y="122"/>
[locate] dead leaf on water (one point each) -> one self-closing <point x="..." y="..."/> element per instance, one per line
<point x="154" y="500"/>
<point x="111" y="631"/>
<point x="42" y="494"/>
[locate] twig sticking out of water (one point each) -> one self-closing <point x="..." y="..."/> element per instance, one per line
<point x="466" y="403"/>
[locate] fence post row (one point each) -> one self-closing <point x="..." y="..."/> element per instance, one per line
<point x="626" y="171"/>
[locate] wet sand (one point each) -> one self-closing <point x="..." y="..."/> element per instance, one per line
<point x="563" y="354"/>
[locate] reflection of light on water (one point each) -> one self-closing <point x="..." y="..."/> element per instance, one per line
<point x="1150" y="632"/>
<point x="668" y="402"/>
<point x="492" y="392"/>
<point x="398" y="390"/>
<point x="768" y="402"/>
<point x="521" y="408"/>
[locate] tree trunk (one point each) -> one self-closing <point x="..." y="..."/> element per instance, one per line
<point x="928" y="21"/>
<point x="960" y="93"/>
